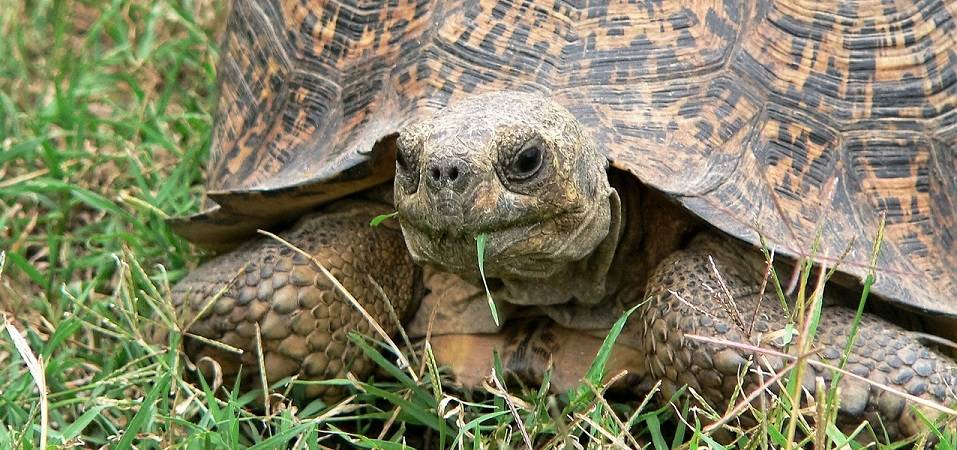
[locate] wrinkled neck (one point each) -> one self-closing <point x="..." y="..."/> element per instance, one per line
<point x="591" y="293"/>
<point x="575" y="295"/>
<point x="647" y="228"/>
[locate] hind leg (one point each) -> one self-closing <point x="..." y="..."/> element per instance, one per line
<point x="302" y="319"/>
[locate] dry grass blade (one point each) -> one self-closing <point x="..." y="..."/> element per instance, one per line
<point x="743" y="404"/>
<point x="820" y="414"/>
<point x="23" y="178"/>
<point x="600" y="397"/>
<point x="727" y="302"/>
<point x="355" y="303"/>
<point x="395" y="318"/>
<point x="692" y="306"/>
<point x="261" y="360"/>
<point x="142" y="205"/>
<point x="217" y="369"/>
<point x="215" y="343"/>
<point x="752" y="348"/>
<point x="804" y="342"/>
<point x="644" y="403"/>
<point x="345" y="406"/>
<point x="764" y="286"/>
<point x="387" y="426"/>
<point x="212" y="301"/>
<point x="428" y="339"/>
<point x="510" y="401"/>
<point x="601" y="430"/>
<point x="932" y="339"/>
<point x="563" y="438"/>
<point x="35" y="366"/>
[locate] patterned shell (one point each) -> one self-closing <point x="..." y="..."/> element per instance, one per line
<point x="784" y="119"/>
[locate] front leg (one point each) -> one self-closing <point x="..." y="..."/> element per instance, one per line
<point x="267" y="289"/>
<point x="687" y="298"/>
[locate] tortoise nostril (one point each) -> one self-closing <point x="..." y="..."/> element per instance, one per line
<point x="448" y="174"/>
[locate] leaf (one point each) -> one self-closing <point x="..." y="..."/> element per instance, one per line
<point x="35" y="366"/>
<point x="148" y="33"/>
<point x="784" y="336"/>
<point x="65" y="330"/>
<point x="480" y="248"/>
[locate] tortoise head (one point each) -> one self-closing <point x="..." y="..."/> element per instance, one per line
<point x="515" y="167"/>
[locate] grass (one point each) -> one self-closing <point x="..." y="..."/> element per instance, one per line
<point x="105" y="115"/>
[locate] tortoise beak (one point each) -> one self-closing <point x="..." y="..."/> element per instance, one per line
<point x="448" y="217"/>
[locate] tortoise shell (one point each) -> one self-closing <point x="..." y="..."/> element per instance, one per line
<point x="783" y="119"/>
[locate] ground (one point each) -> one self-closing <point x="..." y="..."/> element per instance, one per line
<point x="105" y="115"/>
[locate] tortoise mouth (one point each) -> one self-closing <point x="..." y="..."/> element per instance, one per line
<point x="524" y="246"/>
<point x="465" y="226"/>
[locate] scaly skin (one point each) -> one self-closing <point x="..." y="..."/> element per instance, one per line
<point x="304" y="322"/>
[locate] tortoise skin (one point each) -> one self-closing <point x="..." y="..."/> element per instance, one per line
<point x="773" y="117"/>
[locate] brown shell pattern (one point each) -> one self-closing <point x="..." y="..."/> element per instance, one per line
<point x="778" y="117"/>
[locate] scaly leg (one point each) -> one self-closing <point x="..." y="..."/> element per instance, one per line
<point x="304" y="322"/>
<point x="685" y="299"/>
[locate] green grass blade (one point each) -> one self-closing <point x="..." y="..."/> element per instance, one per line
<point x="654" y="428"/>
<point x="859" y="313"/>
<point x="31" y="272"/>
<point x="377" y="220"/>
<point x="480" y="241"/>
<point x="392" y="369"/>
<point x="280" y="439"/>
<point x="146" y="412"/>
<point x="421" y="413"/>
<point x="77" y="426"/>
<point x="366" y="442"/>
<point x="596" y="372"/>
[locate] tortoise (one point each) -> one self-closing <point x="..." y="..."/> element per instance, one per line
<point x="608" y="155"/>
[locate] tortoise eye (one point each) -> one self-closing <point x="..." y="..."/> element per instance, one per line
<point x="527" y="162"/>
